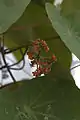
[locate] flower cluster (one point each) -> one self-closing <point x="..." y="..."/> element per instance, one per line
<point x="43" y="63"/>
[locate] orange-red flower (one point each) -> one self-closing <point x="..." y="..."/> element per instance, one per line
<point x="54" y="58"/>
<point x="43" y="64"/>
<point x="44" y="44"/>
<point x="30" y="55"/>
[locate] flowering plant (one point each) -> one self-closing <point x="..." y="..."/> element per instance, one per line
<point x="43" y="63"/>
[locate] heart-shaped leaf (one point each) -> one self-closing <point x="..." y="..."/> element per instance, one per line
<point x="64" y="29"/>
<point x="40" y="99"/>
<point x="10" y="11"/>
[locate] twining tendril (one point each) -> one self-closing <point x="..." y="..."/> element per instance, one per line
<point x="4" y="52"/>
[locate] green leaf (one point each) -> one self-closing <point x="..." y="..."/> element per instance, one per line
<point x="33" y="25"/>
<point x="70" y="6"/>
<point x="42" y="2"/>
<point x="23" y="30"/>
<point x="10" y="11"/>
<point x="61" y="52"/>
<point x="40" y="99"/>
<point x="64" y="29"/>
<point x="74" y="21"/>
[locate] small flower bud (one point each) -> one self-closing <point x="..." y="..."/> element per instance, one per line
<point x="54" y="58"/>
<point x="30" y="55"/>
